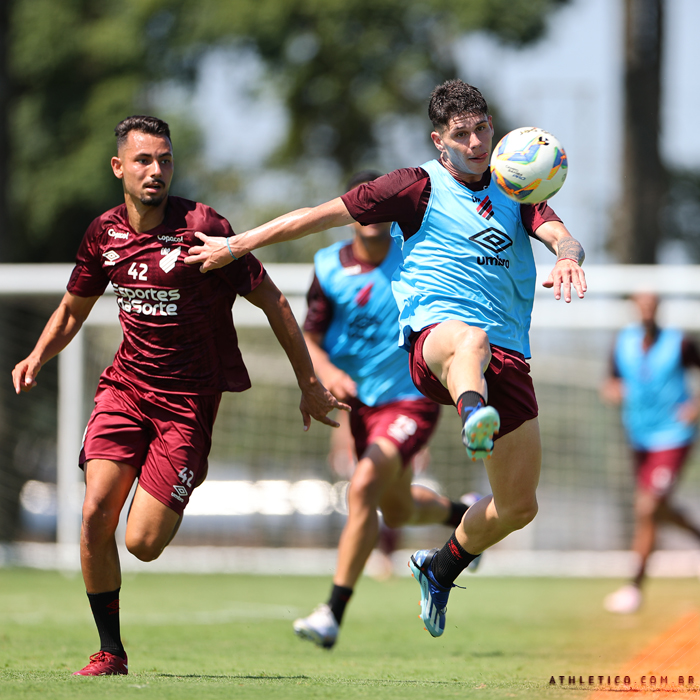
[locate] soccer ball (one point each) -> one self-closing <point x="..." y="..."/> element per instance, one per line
<point x="529" y="165"/>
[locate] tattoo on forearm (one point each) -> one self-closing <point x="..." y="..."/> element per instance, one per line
<point x="571" y="248"/>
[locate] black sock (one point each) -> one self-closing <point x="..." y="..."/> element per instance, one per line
<point x="105" y="610"/>
<point x="450" y="561"/>
<point x="457" y="511"/>
<point x="340" y="596"/>
<point x="468" y="402"/>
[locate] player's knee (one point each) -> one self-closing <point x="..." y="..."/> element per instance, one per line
<point x="99" y="519"/>
<point x="519" y="515"/>
<point x="363" y="489"/>
<point x="143" y="548"/>
<point x="474" y="341"/>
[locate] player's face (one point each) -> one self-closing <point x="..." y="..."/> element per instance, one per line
<point x="647" y="305"/>
<point x="466" y="144"/>
<point x="373" y="232"/>
<point x="145" y="167"/>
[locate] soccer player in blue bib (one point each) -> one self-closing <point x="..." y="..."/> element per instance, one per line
<point x="465" y="289"/>
<point x="350" y="330"/>
<point x="649" y="376"/>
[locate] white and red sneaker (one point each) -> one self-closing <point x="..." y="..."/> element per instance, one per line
<point x="104" y="664"/>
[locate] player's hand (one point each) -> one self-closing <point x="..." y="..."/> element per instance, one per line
<point x="212" y="254"/>
<point x="565" y="274"/>
<point x="689" y="412"/>
<point x="24" y="374"/>
<point x="612" y="391"/>
<point x="317" y="402"/>
<point x="340" y="384"/>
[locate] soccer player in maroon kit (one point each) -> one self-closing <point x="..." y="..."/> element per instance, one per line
<point x="155" y="405"/>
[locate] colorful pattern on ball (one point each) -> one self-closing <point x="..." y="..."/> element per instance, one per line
<point x="529" y="165"/>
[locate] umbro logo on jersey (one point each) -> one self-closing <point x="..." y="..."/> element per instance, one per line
<point x="492" y="239"/>
<point x="111" y="256"/>
<point x="167" y="262"/>
<point x="485" y="208"/>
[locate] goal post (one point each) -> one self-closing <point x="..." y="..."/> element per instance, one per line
<point x="563" y="364"/>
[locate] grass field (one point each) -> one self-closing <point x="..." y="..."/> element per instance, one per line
<point x="191" y="636"/>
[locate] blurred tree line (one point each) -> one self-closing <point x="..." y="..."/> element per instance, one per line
<point x="73" y="68"/>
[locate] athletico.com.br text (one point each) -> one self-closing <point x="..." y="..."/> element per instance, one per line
<point x="625" y="681"/>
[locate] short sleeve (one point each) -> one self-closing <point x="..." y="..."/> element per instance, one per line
<point x="243" y="275"/>
<point x="534" y="215"/>
<point x="690" y="354"/>
<point x="88" y="278"/>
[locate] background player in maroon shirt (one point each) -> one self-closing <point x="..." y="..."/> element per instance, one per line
<point x="155" y="405"/>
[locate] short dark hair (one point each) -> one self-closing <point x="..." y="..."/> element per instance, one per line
<point x="452" y="98"/>
<point x="362" y="176"/>
<point x="142" y="123"/>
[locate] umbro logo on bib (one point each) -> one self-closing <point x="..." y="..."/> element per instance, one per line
<point x="492" y="239"/>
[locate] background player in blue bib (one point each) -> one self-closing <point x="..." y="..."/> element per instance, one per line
<point x="465" y="290"/>
<point x="350" y="330"/>
<point x="649" y="377"/>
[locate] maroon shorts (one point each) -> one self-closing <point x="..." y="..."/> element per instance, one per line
<point x="658" y="471"/>
<point x="408" y="424"/>
<point x="166" y="437"/>
<point x="508" y="380"/>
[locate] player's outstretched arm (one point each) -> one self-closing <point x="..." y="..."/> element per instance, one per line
<point x="567" y="271"/>
<point x="339" y="383"/>
<point x="316" y="400"/>
<point x="217" y="251"/>
<point x="61" y="328"/>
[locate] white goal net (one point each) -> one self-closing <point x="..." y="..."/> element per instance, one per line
<point x="272" y="485"/>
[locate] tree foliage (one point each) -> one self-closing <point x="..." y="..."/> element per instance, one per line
<point x="342" y="64"/>
<point x="76" y="67"/>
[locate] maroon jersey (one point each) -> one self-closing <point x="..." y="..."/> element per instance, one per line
<point x="178" y="329"/>
<point x="402" y="196"/>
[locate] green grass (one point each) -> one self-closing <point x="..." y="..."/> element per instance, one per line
<point x="230" y="637"/>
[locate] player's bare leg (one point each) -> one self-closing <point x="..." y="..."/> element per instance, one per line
<point x="380" y="481"/>
<point x="379" y="467"/>
<point x="650" y="510"/>
<point x="458" y="354"/>
<point x="107" y="486"/>
<point x="668" y="513"/>
<point x="646" y="508"/>
<point x="150" y="527"/>
<point x="513" y="473"/>
<point x="627" y="599"/>
<point x="428" y="506"/>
